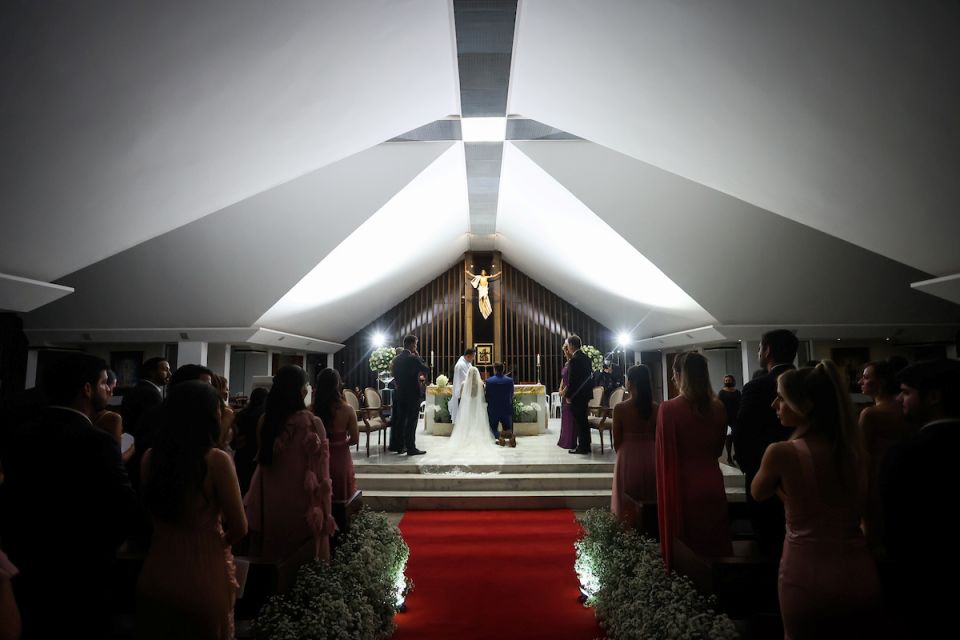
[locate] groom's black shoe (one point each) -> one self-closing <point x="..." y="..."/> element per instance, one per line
<point x="582" y="452"/>
<point x="415" y="452"/>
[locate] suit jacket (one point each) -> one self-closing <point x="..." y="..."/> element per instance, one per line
<point x="757" y="425"/>
<point x="65" y="484"/>
<point x="406" y="369"/>
<point x="143" y="397"/>
<point x="499" y="393"/>
<point x="580" y="374"/>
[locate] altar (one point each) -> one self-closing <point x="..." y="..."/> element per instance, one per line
<point x="436" y="415"/>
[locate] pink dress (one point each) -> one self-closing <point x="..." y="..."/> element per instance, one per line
<point x="289" y="502"/>
<point x="691" y="499"/>
<point x="568" y="427"/>
<point x="635" y="471"/>
<point x="828" y="579"/>
<point x="187" y="586"/>
<point x="341" y="464"/>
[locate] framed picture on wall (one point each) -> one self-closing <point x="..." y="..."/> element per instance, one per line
<point x="484" y="354"/>
<point x="126" y="364"/>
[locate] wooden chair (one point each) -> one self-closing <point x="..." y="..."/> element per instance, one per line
<point x="601" y="418"/>
<point x="365" y="424"/>
<point x="373" y="418"/>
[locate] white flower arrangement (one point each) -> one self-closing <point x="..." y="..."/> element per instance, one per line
<point x="622" y="575"/>
<point x="442" y="380"/>
<point x="596" y="358"/>
<point x="382" y="358"/>
<point x="353" y="597"/>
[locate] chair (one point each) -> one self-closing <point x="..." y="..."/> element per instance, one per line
<point x="601" y="418"/>
<point x="555" y="406"/>
<point x="367" y="420"/>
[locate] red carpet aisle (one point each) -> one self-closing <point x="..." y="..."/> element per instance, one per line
<point x="493" y="574"/>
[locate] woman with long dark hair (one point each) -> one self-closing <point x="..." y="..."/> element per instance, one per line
<point x="691" y="431"/>
<point x="245" y="436"/>
<point x="187" y="586"/>
<point x="828" y="580"/>
<point x="634" y="437"/>
<point x="342" y="432"/>
<point x="289" y="499"/>
<point x="568" y="426"/>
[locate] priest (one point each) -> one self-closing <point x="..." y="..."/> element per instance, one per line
<point x="459" y="375"/>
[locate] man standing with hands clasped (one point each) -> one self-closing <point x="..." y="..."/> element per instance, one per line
<point x="407" y="368"/>
<point x="579" y="393"/>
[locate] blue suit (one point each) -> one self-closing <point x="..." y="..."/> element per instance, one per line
<point x="499" y="395"/>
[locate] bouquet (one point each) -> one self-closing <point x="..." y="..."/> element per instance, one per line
<point x="381" y="359"/>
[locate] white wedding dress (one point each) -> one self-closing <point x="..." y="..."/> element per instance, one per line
<point x="471" y="433"/>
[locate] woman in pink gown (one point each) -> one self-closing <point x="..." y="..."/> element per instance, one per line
<point x="289" y="499"/>
<point x="634" y="437"/>
<point x="691" y="433"/>
<point x="568" y="428"/>
<point x="828" y="580"/>
<point x="187" y="586"/>
<point x="340" y="421"/>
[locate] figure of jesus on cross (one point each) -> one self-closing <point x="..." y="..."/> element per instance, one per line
<point x="482" y="283"/>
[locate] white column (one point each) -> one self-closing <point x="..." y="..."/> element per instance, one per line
<point x="218" y="359"/>
<point x="666" y="376"/>
<point x="192" y="352"/>
<point x="32" y="358"/>
<point x="329" y="361"/>
<point x="746" y="358"/>
<point x="270" y="371"/>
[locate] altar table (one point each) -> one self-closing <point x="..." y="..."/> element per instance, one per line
<point x="535" y="394"/>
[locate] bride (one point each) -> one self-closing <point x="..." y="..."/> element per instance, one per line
<point x="472" y="430"/>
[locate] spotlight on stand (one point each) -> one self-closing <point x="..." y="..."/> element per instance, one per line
<point x="379" y="339"/>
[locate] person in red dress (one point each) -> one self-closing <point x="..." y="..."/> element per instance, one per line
<point x="828" y="580"/>
<point x="634" y="437"/>
<point x="691" y="433"/>
<point x="342" y="432"/>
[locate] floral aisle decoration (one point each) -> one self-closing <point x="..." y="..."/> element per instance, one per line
<point x="621" y="574"/>
<point x="596" y="358"/>
<point x="353" y="597"/>
<point x="381" y="359"/>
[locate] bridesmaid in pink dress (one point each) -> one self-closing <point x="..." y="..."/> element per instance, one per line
<point x="634" y="437"/>
<point x="289" y="500"/>
<point x="187" y="586"/>
<point x="828" y="580"/>
<point x="691" y="433"/>
<point x="341" y="423"/>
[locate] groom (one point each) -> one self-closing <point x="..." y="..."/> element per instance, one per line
<point x="499" y="392"/>
<point x="459" y="375"/>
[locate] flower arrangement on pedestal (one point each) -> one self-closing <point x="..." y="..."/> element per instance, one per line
<point x="621" y="575"/>
<point x="441" y="411"/>
<point x="355" y="596"/>
<point x="381" y="359"/>
<point x="596" y="358"/>
<point x="442" y="380"/>
<point x="524" y="412"/>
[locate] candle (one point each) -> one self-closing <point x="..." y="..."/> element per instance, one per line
<point x="431" y="357"/>
<point x="538" y="359"/>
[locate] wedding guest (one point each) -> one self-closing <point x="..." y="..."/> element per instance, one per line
<point x="579" y="393"/>
<point x="882" y="426"/>
<point x="757" y="427"/>
<point x="828" y="581"/>
<point x="111" y="422"/>
<point x="729" y="395"/>
<point x="568" y="426"/>
<point x="148" y="392"/>
<point x="289" y="500"/>
<point x="691" y="499"/>
<point x="245" y="436"/>
<point x="407" y="367"/>
<point x="10" y="623"/>
<point x="68" y="505"/>
<point x="634" y="438"/>
<point x="340" y="421"/>
<point x="187" y="586"/>
<point x="918" y="482"/>
<point x="499" y="396"/>
<point x="227" y="416"/>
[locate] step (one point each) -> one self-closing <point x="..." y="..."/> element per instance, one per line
<point x="484" y="500"/>
<point x="531" y="468"/>
<point x="483" y="481"/>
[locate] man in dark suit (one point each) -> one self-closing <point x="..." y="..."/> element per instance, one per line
<point x="580" y="390"/>
<point x="68" y="505"/>
<point x="407" y="368"/>
<point x="148" y="393"/>
<point x="757" y="427"/>
<point x="918" y="483"/>
<point x="499" y="394"/>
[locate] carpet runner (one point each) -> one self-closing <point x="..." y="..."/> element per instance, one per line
<point x="493" y="574"/>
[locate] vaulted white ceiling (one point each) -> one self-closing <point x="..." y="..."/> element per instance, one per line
<point x="226" y="164"/>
